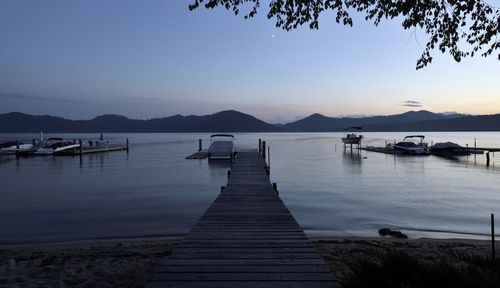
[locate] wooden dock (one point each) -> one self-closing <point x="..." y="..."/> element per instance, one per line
<point x="246" y="238"/>
<point x="94" y="150"/>
<point x="202" y="154"/>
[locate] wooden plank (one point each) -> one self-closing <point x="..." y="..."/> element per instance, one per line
<point x="275" y="255"/>
<point x="216" y="262"/>
<point x="242" y="250"/>
<point x="247" y="268"/>
<point x="246" y="245"/>
<point x="277" y="276"/>
<point x="241" y="284"/>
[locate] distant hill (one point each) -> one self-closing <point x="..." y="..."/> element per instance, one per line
<point x="234" y="121"/>
<point x="464" y="123"/>
<point x="321" y="123"/>
<point x="225" y="121"/>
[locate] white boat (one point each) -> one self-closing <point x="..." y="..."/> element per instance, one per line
<point x="352" y="138"/>
<point x="14" y="148"/>
<point x="409" y="147"/>
<point x="56" y="145"/>
<point x="221" y="147"/>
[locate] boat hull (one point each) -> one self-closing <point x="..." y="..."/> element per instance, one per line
<point x="352" y="140"/>
<point x="413" y="151"/>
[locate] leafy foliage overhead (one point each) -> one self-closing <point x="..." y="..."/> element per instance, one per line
<point x="463" y="28"/>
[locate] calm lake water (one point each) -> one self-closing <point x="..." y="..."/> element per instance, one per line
<point x="154" y="191"/>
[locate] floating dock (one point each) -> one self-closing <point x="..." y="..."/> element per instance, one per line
<point x="86" y="150"/>
<point x="203" y="154"/>
<point x="246" y="238"/>
<point x="98" y="147"/>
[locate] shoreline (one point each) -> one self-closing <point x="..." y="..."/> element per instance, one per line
<point x="440" y="236"/>
<point x="130" y="262"/>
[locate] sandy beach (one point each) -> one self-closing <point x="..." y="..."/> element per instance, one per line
<point x="130" y="263"/>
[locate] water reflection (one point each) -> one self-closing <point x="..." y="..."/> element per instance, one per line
<point x="218" y="167"/>
<point x="352" y="160"/>
<point x="153" y="189"/>
<point x="352" y="157"/>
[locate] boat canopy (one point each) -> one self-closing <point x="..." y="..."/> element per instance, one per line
<point x="353" y="128"/>
<point x="221" y="135"/>
<point x="415" y="136"/>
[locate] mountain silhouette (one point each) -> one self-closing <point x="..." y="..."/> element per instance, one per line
<point x="320" y="123"/>
<point x="227" y="121"/>
<point x="234" y="121"/>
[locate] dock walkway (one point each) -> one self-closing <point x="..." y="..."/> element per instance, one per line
<point x="246" y="238"/>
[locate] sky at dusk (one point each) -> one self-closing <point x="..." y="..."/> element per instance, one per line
<point x="155" y="58"/>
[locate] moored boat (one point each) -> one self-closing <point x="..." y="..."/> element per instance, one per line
<point x="15" y="146"/>
<point x="449" y="149"/>
<point x="352" y="138"/>
<point x="55" y="145"/>
<point x="411" y="148"/>
<point x="221" y="147"/>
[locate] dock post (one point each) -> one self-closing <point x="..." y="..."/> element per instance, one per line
<point x="269" y="157"/>
<point x="275" y="187"/>
<point x="199" y="145"/>
<point x="18" y="144"/>
<point x="102" y="137"/>
<point x="228" y="173"/>
<point x="260" y="146"/>
<point x="81" y="146"/>
<point x="222" y="188"/>
<point x="264" y="149"/>
<point x="488" y="159"/>
<point x="493" y="236"/>
<point x="127" y="144"/>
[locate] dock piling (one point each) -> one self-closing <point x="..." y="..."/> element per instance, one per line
<point x="264" y="149"/>
<point x="18" y="144"/>
<point x="269" y="157"/>
<point x="260" y="146"/>
<point x="127" y="144"/>
<point x="487" y="159"/>
<point x="228" y="174"/>
<point x="275" y="187"/>
<point x="493" y="236"/>
<point x="81" y="146"/>
<point x="199" y="145"/>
